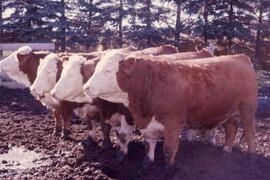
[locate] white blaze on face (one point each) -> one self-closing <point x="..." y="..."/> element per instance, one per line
<point x="70" y="85"/>
<point x="10" y="66"/>
<point x="46" y="75"/>
<point x="103" y="82"/>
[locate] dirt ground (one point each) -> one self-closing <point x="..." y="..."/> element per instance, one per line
<point x="24" y="122"/>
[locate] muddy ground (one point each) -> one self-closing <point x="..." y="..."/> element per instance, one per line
<point x="25" y="123"/>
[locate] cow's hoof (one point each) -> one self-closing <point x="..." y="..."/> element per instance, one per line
<point x="146" y="163"/>
<point x="88" y="142"/>
<point x="227" y="149"/>
<point x="169" y="169"/>
<point x="252" y="157"/>
<point x="120" y="156"/>
<point x="66" y="133"/>
<point x="107" y="144"/>
<point x="57" y="132"/>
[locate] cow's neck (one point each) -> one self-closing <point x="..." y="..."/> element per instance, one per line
<point x="32" y="67"/>
<point x="59" y="69"/>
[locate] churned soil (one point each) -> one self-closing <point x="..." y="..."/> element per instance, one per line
<point x="25" y="123"/>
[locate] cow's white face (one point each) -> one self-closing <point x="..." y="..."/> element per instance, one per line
<point x="10" y="66"/>
<point x="70" y="85"/>
<point x="46" y="76"/>
<point x="103" y="82"/>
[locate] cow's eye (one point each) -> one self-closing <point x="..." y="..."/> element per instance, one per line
<point x="108" y="71"/>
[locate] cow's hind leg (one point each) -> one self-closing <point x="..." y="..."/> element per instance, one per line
<point x="247" y="117"/>
<point x="66" y="115"/>
<point x="150" y="146"/>
<point x="230" y="132"/>
<point x="58" y="122"/>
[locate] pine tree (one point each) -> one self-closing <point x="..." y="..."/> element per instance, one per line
<point x="204" y="9"/>
<point x="262" y="28"/>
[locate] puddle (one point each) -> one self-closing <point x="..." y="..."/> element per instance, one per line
<point x="21" y="158"/>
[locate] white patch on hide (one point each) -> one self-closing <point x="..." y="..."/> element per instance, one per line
<point x="124" y="130"/>
<point x="152" y="133"/>
<point x="103" y="82"/>
<point x="153" y="129"/>
<point x="152" y="146"/>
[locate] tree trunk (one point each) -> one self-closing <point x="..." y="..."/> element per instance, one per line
<point x="178" y="23"/>
<point x="63" y="29"/>
<point x="120" y="24"/>
<point x="89" y="29"/>
<point x="258" y="36"/>
<point x="205" y="17"/>
<point x="148" y="20"/>
<point x="1" y="23"/>
<point x="230" y="28"/>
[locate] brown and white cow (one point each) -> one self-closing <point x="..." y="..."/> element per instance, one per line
<point x="22" y="66"/>
<point x="164" y="96"/>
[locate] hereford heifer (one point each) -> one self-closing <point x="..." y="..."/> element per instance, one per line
<point x="164" y="96"/>
<point x="22" y="66"/>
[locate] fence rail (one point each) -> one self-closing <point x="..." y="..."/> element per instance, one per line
<point x="34" y="46"/>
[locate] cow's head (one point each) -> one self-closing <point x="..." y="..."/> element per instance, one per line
<point x="103" y="82"/>
<point x="11" y="65"/>
<point x="46" y="76"/>
<point x="70" y="85"/>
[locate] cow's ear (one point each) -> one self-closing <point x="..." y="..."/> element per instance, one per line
<point x="23" y="57"/>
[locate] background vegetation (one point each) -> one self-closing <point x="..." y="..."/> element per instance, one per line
<point x="236" y="26"/>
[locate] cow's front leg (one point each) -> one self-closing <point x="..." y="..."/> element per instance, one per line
<point x="230" y="133"/>
<point x="58" y="122"/>
<point x="106" y="130"/>
<point x="124" y="139"/>
<point x="66" y="115"/>
<point x="171" y="144"/>
<point x="150" y="146"/>
<point x="92" y="133"/>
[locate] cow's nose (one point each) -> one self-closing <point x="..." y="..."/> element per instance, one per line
<point x="33" y="91"/>
<point x="86" y="88"/>
<point x="53" y="94"/>
<point x="91" y="92"/>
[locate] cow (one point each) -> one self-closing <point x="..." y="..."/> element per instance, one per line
<point x="164" y="96"/>
<point x="22" y="66"/>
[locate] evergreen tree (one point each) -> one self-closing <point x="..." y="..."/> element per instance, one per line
<point x="145" y="33"/>
<point x="262" y="28"/>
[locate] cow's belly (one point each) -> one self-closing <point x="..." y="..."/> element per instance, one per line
<point x="86" y="110"/>
<point x="208" y="117"/>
